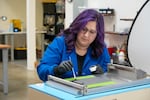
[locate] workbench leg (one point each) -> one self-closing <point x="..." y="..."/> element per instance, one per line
<point x="12" y="47"/>
<point x="5" y="70"/>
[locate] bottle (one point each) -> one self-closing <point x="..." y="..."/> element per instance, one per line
<point x="11" y="27"/>
<point x="114" y="58"/>
<point x="121" y="57"/>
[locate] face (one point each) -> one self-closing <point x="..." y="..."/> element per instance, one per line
<point x="87" y="35"/>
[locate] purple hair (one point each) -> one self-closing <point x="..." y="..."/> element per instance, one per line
<point x="79" y="23"/>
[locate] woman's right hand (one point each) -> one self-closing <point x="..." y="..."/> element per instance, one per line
<point x="64" y="67"/>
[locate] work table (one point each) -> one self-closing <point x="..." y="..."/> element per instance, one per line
<point x="12" y="40"/>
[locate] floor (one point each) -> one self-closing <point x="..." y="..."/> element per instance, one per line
<point x="19" y="79"/>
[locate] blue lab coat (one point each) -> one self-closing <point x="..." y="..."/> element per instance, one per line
<point x="56" y="53"/>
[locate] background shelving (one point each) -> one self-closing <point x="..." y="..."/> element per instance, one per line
<point x="53" y="19"/>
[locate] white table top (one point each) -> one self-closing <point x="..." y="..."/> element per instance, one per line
<point x="23" y="32"/>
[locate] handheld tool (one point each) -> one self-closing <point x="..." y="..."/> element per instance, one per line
<point x="73" y="72"/>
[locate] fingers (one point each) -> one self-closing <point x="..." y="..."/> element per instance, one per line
<point x="67" y="65"/>
<point x="64" y="67"/>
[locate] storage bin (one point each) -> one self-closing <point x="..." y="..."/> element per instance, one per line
<point x="20" y="53"/>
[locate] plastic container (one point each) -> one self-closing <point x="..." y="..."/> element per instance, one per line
<point x="60" y="6"/>
<point x="11" y="27"/>
<point x="115" y="58"/>
<point x="121" y="57"/>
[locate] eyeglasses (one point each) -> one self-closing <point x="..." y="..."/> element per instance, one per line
<point x="84" y="30"/>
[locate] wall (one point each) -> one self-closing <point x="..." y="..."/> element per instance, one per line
<point x="123" y="9"/>
<point x="72" y="10"/>
<point x="78" y="3"/>
<point x="10" y="8"/>
<point x="68" y="13"/>
<point x="16" y="9"/>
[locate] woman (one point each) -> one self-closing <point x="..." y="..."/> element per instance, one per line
<point x="78" y="49"/>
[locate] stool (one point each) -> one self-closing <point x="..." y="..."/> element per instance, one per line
<point x="4" y="82"/>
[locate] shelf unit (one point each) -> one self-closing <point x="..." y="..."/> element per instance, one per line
<point x="52" y="20"/>
<point x="115" y="33"/>
<point x="127" y="19"/>
<point x="108" y="14"/>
